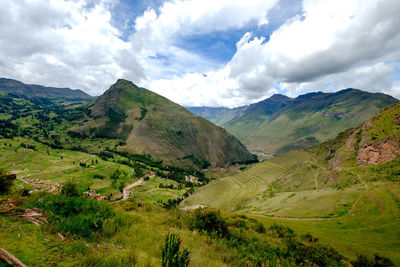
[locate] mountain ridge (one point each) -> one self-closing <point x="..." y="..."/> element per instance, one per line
<point x="39" y="91"/>
<point x="280" y="123"/>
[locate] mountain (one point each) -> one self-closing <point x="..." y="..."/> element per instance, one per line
<point x="219" y="115"/>
<point x="38" y="91"/>
<point x="149" y="123"/>
<point x="280" y="124"/>
<point x="360" y="163"/>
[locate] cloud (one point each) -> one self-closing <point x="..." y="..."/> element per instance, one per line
<point x="327" y="45"/>
<point x="332" y="41"/>
<point x="64" y="43"/>
<point x="330" y="46"/>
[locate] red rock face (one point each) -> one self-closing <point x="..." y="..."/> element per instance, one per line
<point x="384" y="152"/>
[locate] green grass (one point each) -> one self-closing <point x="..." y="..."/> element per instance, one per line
<point x="372" y="227"/>
<point x="354" y="216"/>
<point x="58" y="166"/>
<point x="241" y="191"/>
<point x="385" y="125"/>
<point x="151" y="192"/>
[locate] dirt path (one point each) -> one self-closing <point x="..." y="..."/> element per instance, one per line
<point x="129" y="187"/>
<point x="194" y="207"/>
<point x="293" y="219"/>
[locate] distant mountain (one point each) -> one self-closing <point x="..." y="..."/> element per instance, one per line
<point x="279" y="123"/>
<point x="290" y="184"/>
<point x="36" y="91"/>
<point x="150" y="123"/>
<point x="219" y="115"/>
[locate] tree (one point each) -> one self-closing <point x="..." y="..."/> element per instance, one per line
<point x="6" y="180"/>
<point x="171" y="256"/>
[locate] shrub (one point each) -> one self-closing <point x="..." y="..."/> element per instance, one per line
<point x="98" y="176"/>
<point x="81" y="216"/>
<point x="70" y="189"/>
<point x="209" y="221"/>
<point x="378" y="261"/>
<point x="259" y="228"/>
<point x="6" y="180"/>
<point x="171" y="256"/>
<point x="282" y="231"/>
<point x="318" y="255"/>
<point x="309" y="238"/>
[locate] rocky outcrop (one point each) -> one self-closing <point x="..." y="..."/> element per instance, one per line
<point x="373" y="154"/>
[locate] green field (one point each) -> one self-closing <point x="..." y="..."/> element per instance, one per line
<point x="361" y="218"/>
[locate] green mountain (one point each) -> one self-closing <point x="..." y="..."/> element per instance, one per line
<point x="150" y="123"/>
<point x="368" y="153"/>
<point x="279" y="124"/>
<point x="343" y="189"/>
<point x="219" y="115"/>
<point x="38" y="91"/>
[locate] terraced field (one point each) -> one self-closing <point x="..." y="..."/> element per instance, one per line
<point x="362" y="218"/>
<point x="52" y="166"/>
<point x="370" y="226"/>
<point x="239" y="191"/>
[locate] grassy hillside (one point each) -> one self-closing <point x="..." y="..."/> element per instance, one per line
<point x="325" y="189"/>
<point x="149" y="123"/>
<point x="280" y="124"/>
<point x="38" y="91"/>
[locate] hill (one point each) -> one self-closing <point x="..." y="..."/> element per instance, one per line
<point x="149" y="123"/>
<point x="280" y="124"/>
<point x="219" y="115"/>
<point x="38" y="91"/>
<point x="347" y="186"/>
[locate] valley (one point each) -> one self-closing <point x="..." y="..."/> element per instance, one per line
<point x="109" y="179"/>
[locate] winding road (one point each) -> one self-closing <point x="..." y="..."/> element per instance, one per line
<point x="125" y="191"/>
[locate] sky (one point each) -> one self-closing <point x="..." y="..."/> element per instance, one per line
<point x="204" y="52"/>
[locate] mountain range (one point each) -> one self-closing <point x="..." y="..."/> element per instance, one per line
<point x="39" y="91"/>
<point x="279" y="124"/>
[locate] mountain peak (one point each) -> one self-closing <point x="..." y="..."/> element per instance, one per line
<point x="123" y="82"/>
<point x="278" y="97"/>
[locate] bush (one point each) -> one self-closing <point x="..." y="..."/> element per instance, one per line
<point x="77" y="215"/>
<point x="171" y="256"/>
<point x="378" y="261"/>
<point x="98" y="176"/>
<point x="209" y="221"/>
<point x="282" y="231"/>
<point x="70" y="189"/>
<point x="318" y="255"/>
<point x="6" y="180"/>
<point x="309" y="238"/>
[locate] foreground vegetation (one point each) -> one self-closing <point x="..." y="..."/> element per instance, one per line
<point x="78" y="230"/>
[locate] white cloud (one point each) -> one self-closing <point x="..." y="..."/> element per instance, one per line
<point x="333" y="44"/>
<point x="64" y="43"/>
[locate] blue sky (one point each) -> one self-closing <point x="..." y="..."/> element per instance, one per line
<point x="204" y="52"/>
